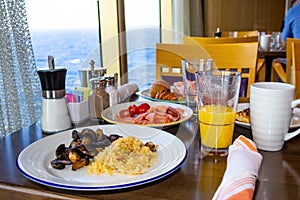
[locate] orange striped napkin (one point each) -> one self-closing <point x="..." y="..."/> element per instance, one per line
<point x="243" y="163"/>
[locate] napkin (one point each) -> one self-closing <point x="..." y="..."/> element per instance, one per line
<point x="125" y="91"/>
<point x="243" y="163"/>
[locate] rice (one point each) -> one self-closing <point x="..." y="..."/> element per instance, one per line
<point x="126" y="156"/>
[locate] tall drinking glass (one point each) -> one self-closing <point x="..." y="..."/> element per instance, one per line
<point x="218" y="93"/>
<point x="189" y="68"/>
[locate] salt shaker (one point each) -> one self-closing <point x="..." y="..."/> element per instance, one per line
<point x="112" y="91"/>
<point x="99" y="98"/>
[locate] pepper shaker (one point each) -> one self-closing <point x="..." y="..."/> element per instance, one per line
<point x="99" y="98"/>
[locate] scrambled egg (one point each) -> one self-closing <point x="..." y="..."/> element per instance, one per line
<point x="126" y="156"/>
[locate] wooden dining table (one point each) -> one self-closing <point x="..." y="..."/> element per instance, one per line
<point x="279" y="174"/>
<point x="269" y="56"/>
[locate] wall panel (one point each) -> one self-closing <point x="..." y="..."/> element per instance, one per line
<point x="242" y="15"/>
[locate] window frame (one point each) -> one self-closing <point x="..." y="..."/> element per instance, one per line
<point x="113" y="34"/>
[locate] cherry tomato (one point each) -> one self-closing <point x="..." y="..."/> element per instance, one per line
<point x="132" y="109"/>
<point x="142" y="108"/>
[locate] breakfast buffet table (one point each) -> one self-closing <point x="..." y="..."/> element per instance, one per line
<point x="279" y="175"/>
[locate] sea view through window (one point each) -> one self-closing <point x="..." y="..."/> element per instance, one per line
<point x="68" y="30"/>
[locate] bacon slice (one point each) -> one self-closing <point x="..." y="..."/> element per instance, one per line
<point x="155" y="115"/>
<point x="174" y="113"/>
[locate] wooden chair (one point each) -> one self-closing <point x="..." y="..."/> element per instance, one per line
<point x="296" y="67"/>
<point x="168" y="60"/>
<point x="278" y="70"/>
<point x="191" y="40"/>
<point x="240" y="33"/>
<point x="239" y="57"/>
<point x="252" y="37"/>
<point x="261" y="65"/>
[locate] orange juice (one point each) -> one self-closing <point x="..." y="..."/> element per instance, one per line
<point x="216" y="126"/>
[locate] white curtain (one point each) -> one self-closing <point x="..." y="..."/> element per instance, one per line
<point x="187" y="18"/>
<point x="19" y="83"/>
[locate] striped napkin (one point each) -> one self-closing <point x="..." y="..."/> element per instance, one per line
<point x="243" y="163"/>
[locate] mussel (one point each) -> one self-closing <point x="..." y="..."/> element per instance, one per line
<point x="84" y="146"/>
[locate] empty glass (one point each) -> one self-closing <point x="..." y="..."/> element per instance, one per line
<point x="189" y="68"/>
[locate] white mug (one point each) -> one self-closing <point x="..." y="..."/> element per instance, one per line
<point x="271" y="105"/>
<point x="265" y="41"/>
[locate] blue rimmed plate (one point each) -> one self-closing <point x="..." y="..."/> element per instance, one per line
<point x="34" y="160"/>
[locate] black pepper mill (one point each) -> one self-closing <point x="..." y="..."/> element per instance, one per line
<point x="55" y="114"/>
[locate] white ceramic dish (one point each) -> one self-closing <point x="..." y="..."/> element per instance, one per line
<point x="146" y="94"/>
<point x="109" y="114"/>
<point x="295" y="122"/>
<point x="34" y="160"/>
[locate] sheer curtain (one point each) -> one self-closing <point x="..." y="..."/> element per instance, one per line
<point x="19" y="84"/>
<point x="188" y="18"/>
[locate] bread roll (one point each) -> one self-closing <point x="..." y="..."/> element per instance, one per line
<point x="170" y="96"/>
<point x="159" y="86"/>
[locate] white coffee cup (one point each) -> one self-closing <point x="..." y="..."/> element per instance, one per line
<point x="271" y="105"/>
<point x="265" y="41"/>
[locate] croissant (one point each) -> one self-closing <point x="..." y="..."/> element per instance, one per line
<point x="159" y="86"/>
<point x="165" y="95"/>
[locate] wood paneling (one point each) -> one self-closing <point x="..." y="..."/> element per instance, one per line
<point x="242" y="15"/>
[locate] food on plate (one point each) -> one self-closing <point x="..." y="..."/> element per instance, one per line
<point x="296" y="116"/>
<point x="84" y="146"/>
<point x="125" y="156"/>
<point x="142" y="108"/>
<point x="243" y="115"/>
<point x="158" y="86"/>
<point x="179" y="89"/>
<point x="170" y="96"/>
<point x="153" y="115"/>
<point x="191" y="86"/>
<point x="160" y="89"/>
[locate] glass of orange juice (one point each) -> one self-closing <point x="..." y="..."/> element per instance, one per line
<point x="217" y="93"/>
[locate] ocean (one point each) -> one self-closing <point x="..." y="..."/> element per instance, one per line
<point x="74" y="49"/>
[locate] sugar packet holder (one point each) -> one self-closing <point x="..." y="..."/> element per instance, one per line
<point x="79" y="111"/>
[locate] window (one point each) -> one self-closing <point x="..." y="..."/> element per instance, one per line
<point x="142" y="22"/>
<point x="67" y="30"/>
<point x="124" y="34"/>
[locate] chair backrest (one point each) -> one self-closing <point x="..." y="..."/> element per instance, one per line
<point x="296" y="66"/>
<point x="289" y="60"/>
<point x="168" y="59"/>
<point x="239" y="57"/>
<point x="253" y="37"/>
<point x="240" y="33"/>
<point x="222" y="40"/>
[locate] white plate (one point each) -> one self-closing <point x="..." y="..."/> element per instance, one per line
<point x="34" y="160"/>
<point x="110" y="113"/>
<point x="240" y="107"/>
<point x="295" y="123"/>
<point x="146" y="94"/>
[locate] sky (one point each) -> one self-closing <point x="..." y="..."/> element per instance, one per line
<point x="70" y="14"/>
<point x="62" y="14"/>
